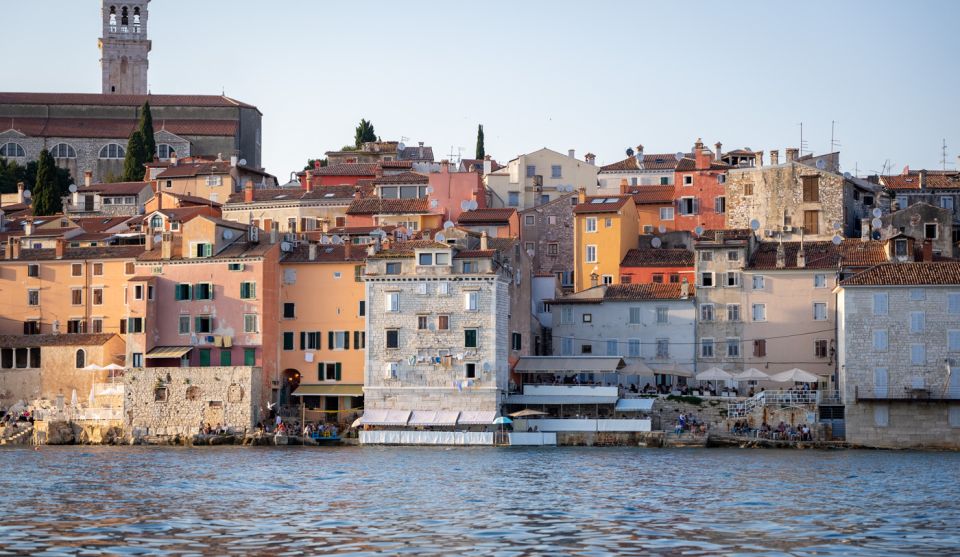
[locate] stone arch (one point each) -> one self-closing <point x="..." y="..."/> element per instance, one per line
<point x="63" y="151"/>
<point x="12" y="149"/>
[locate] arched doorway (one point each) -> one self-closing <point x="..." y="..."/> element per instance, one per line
<point x="290" y="380"/>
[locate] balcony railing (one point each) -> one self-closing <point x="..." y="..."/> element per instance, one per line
<point x="904" y="392"/>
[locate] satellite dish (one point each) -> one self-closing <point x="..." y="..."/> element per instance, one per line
<point x="656" y="242"/>
<point x="875" y="235"/>
<point x="401" y="146"/>
<point x="448" y="224"/>
<point x="345" y="238"/>
<point x="242" y="162"/>
<point x="227" y="234"/>
<point x="336" y="240"/>
<point x="877" y="213"/>
<point x="434" y="203"/>
<point x="876" y="223"/>
<point x="378" y="233"/>
<point x="530" y="252"/>
<point x="847" y="175"/>
<point x="465" y="205"/>
<point x="821" y="164"/>
<point x="27" y="194"/>
<point x="836" y="226"/>
<point x="473" y="205"/>
<point x="285" y="246"/>
<point x="440" y="237"/>
<point x="836" y="240"/>
<point x="324" y="239"/>
<point x="662" y="229"/>
<point x="698" y="230"/>
<point x="73" y="188"/>
<point x="679" y="155"/>
<point x="157" y="239"/>
<point x="755" y="224"/>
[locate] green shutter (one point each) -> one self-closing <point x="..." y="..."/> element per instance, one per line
<point x="249" y="356"/>
<point x="189" y="291"/>
<point x="196" y="325"/>
<point x="329" y="340"/>
<point x="320" y="372"/>
<point x="226" y="357"/>
<point x="346" y="340"/>
<point x="288" y="341"/>
<point x="204" y="357"/>
<point x="337" y="372"/>
<point x="356" y="339"/>
<point x="303" y="340"/>
<point x="253" y="290"/>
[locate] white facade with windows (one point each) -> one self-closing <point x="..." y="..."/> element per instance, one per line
<point x="537" y="178"/>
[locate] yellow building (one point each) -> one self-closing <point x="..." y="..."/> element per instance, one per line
<point x="323" y="329"/>
<point x="213" y="180"/>
<point x="605" y="229"/>
<point x="64" y="289"/>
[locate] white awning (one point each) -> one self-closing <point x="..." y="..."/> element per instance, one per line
<point x="385" y="417"/>
<point x="434" y="417"/>
<point x="634" y="405"/>
<point x="569" y="364"/>
<point x="477" y="417"/>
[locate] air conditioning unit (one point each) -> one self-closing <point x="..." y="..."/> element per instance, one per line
<point x="770" y="233"/>
<point x="787" y="228"/>
<point x="648" y="229"/>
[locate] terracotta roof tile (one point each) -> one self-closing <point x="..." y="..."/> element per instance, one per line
<point x="325" y="254"/>
<point x="651" y="195"/>
<point x="406" y="249"/>
<point x="413" y="154"/>
<point x="820" y="254"/>
<point x="120" y="100"/>
<point x="475" y="254"/>
<point x="908" y="274"/>
<point x="653" y="257"/>
<point x="81" y="339"/>
<point x="192" y="199"/>
<point x="911" y="181"/>
<point x="378" y="206"/>
<point x="484" y="216"/>
<point x="651" y="161"/>
<point x="688" y="164"/>
<point x="341" y="194"/>
<point x="115" y="188"/>
<point x="602" y="204"/>
<point x="112" y="128"/>
<point x="347" y="169"/>
<point x="664" y="291"/>
<point x="72" y="254"/>
<point x="730" y="235"/>
<point x="403" y="178"/>
<point x="195" y="169"/>
<point x="99" y="224"/>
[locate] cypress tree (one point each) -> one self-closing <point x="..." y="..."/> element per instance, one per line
<point x="135" y="158"/>
<point x="146" y="128"/>
<point x="481" y="152"/>
<point x="46" y="193"/>
<point x="363" y="133"/>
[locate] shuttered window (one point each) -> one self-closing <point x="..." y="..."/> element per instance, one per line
<point x="811" y="189"/>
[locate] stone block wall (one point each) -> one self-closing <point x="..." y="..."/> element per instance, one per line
<point x="553" y="224"/>
<point x="910" y="425"/>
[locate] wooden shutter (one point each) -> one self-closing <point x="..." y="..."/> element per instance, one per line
<point x="337" y="371"/>
<point x="759" y="348"/>
<point x="329" y="340"/>
<point x="346" y="340"/>
<point x="303" y="340"/>
<point x="811" y="222"/>
<point x="811" y="189"/>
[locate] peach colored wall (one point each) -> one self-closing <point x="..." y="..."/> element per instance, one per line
<point x="452" y="188"/>
<point x="197" y="186"/>
<point x="644" y="275"/>
<point x="649" y="215"/>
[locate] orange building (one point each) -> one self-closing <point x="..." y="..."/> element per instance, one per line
<point x="700" y="190"/>
<point x="656" y="212"/>
<point x="656" y="265"/>
<point x="605" y="228"/>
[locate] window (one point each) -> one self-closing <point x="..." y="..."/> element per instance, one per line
<point x="953" y="341"/>
<point x="820" y="281"/>
<point x="880" y="340"/>
<point x="33" y="270"/>
<point x="183" y="325"/>
<point x="76" y="270"/>
<point x="250" y="323"/>
<point x="203" y="291"/>
<point x="657" y="278"/>
<point x="531" y="171"/>
<point x="953" y="302"/>
<point x="733" y="279"/>
<point x="422" y="322"/>
<point x="288" y="340"/>
<point x="566" y="346"/>
<point x="470" y="338"/>
<point x="733" y="312"/>
<point x="289" y="310"/>
<point x="918" y="354"/>
<point x="689" y="206"/>
<point x="33" y="297"/>
<point x="134" y="324"/>
<point x="469" y="267"/>
<point x="555" y="171"/>
<point x="204" y="354"/>
<point x="393" y="338"/>
<point x="553" y="248"/>
<point x="607" y="222"/>
<point x="759" y="348"/>
<point x="587" y="318"/>
<point x="591" y="224"/>
<point x="181" y="292"/>
<point x="733" y="255"/>
<point x="880" y="303"/>
<point x="248" y="290"/>
<point x="706" y="312"/>
<point x="819" y="311"/>
<point x="706" y="256"/>
<point x="203" y="249"/>
<point x="426" y="259"/>
<point x="566" y="315"/>
<point x="706" y="348"/>
<point x="471" y="301"/>
<point x="203" y="324"/>
<point x="137" y="292"/>
<point x="758" y="282"/>
<point x="11" y="150"/>
<point x="733" y="348"/>
<point x="811" y="222"/>
<point x="917" y="321"/>
<point x="917" y="294"/>
<point x="338" y="340"/>
<point x="663" y="348"/>
<point x="721" y="178"/>
<point x="513" y="199"/>
<point x="633" y="347"/>
<point x="820" y="348"/>
<point x="881" y="415"/>
<point x="74" y="326"/>
<point x="310" y="340"/>
<point x="516" y="341"/>
<point x="165" y="151"/>
<point x="748" y="188"/>
<point x="393" y="268"/>
<point x="759" y="312"/>
<point x="591" y="256"/>
<point x="112" y="151"/>
<point x="811" y="189"/>
<point x="606" y="279"/>
<point x="586" y="349"/>
<point x="930" y="230"/>
<point x="98" y="269"/>
<point x="664" y="180"/>
<point x="720" y="205"/>
<point x="612" y="349"/>
<point x="470" y="370"/>
<point x="393" y="301"/>
<point x="218" y="180"/>
<point x="635" y="316"/>
<point x="359" y="339"/>
<point x="946" y="202"/>
<point x="666" y="213"/>
<point x="688" y="180"/>
<point x="706" y="279"/>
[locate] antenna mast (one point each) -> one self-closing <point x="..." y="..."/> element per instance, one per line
<point x="803" y="144"/>
<point x="943" y="153"/>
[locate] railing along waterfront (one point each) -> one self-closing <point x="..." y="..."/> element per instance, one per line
<point x="790" y="397"/>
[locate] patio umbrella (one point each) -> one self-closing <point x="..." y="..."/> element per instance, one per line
<point x="713" y="374"/>
<point x="113" y="367"/>
<point x="636" y="367"/>
<point x="527" y="412"/>
<point x="795" y="375"/>
<point x="93" y="367"/>
<point x="502" y="420"/>
<point x="752" y="374"/>
<point x="357" y="422"/>
<point x="91" y="402"/>
<point x="73" y="398"/>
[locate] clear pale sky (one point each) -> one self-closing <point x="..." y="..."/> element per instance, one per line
<point x="590" y="76"/>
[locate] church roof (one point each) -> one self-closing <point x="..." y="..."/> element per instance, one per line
<point x="99" y="99"/>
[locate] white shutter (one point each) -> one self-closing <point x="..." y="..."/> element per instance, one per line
<point x="880" y="382"/>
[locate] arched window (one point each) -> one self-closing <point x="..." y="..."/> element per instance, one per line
<point x="156" y="222"/>
<point x="165" y="151"/>
<point x="81" y="359"/>
<point x="112" y="151"/>
<point x="123" y="15"/>
<point x="63" y="151"/>
<point x="12" y="150"/>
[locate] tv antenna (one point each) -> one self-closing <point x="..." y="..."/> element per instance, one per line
<point x="803" y="144"/>
<point x="943" y="153"/>
<point x="834" y="142"/>
<point x="455" y="156"/>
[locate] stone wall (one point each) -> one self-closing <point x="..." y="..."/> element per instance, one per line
<point x="910" y="425"/>
<point x="172" y="401"/>
<point x="553" y="225"/>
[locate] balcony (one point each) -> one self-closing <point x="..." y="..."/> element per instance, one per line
<point x="906" y="393"/>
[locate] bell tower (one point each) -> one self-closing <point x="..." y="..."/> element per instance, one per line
<point x="124" y="47"/>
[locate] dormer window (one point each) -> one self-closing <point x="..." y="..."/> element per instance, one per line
<point x="900" y="247"/>
<point x="426" y="259"/>
<point x="156" y="222"/>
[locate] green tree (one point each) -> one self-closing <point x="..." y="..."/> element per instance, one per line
<point x="146" y="128"/>
<point x="46" y="193"/>
<point x="11" y="173"/>
<point x="364" y="133"/>
<point x="481" y="152"/>
<point x="312" y="162"/>
<point x="133" y="169"/>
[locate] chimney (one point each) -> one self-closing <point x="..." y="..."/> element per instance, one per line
<point x="274" y="232"/>
<point x="28" y="227"/>
<point x="233" y="160"/>
<point x="927" y="250"/>
<point x="19" y="192"/>
<point x="594" y="279"/>
<point x="444" y="166"/>
<point x="774" y="157"/>
<point x="718" y="236"/>
<point x="219" y="157"/>
<point x="864" y="229"/>
<point x="684" y="289"/>
<point x="357" y="194"/>
<point x="312" y="251"/>
<point x="701" y="156"/>
<point x="923" y="178"/>
<point x="781" y="256"/>
<point x="14" y="248"/>
<point x="421" y="151"/>
<point x="166" y="246"/>
<point x="590" y="158"/>
<point x="572" y="153"/>
<point x="487" y="165"/>
<point x="791" y="154"/>
<point x="638" y="156"/>
<point x="623" y="186"/>
<point x="483" y="240"/>
<point x="347" y="249"/>
<point x="173" y="159"/>
<point x="59" y="248"/>
<point x="758" y="159"/>
<point x="801" y="258"/>
<point x="378" y="170"/>
<point x="582" y="195"/>
<point x="87" y="178"/>
<point x="248" y="192"/>
<point x="148" y="239"/>
<point x="719" y="152"/>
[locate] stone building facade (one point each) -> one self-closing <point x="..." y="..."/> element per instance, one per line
<point x="920" y="221"/>
<point x="177" y="400"/>
<point x="437" y="333"/>
<point x="547" y="231"/>
<point x="898" y="333"/>
<point x="124" y="47"/>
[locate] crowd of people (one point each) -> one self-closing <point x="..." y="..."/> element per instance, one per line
<point x="690" y="424"/>
<point x="782" y="432"/>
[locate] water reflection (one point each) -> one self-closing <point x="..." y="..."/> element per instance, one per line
<point x="140" y="500"/>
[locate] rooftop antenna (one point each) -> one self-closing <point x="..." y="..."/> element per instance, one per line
<point x="803" y="144"/>
<point x="943" y="153"/>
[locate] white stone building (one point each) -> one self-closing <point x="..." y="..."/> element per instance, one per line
<point x="539" y="177"/>
<point x="898" y="333"/>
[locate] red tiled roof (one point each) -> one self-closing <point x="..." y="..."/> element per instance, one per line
<point x="192" y="199"/>
<point x="908" y="274"/>
<point x="931" y="180"/>
<point x="99" y="224"/>
<point x="190" y="169"/>
<point x="687" y="164"/>
<point x="413" y="154"/>
<point x="112" y="128"/>
<point x="359" y="230"/>
<point x="181" y="214"/>
<point x="651" y="195"/>
<point x="663" y="291"/>
<point x="99" y="252"/>
<point x="98" y="99"/>
<point x="396" y="164"/>
<point x="731" y="235"/>
<point x="475" y="254"/>
<point x="650" y="162"/>
<point x="72" y="339"/>
<point x="820" y="254"/>
<point x="377" y="206"/>
<point x="593" y="204"/>
<point x="406" y="249"/>
<point x="340" y="194"/>
<point x="403" y="178"/>
<point x="653" y="257"/>
<point x="484" y="216"/>
<point x="325" y="254"/>
<point x="347" y="169"/>
<point x="116" y="188"/>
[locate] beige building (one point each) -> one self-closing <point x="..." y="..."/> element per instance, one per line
<point x="213" y="180"/>
<point x="539" y="177"/>
<point x="294" y="210"/>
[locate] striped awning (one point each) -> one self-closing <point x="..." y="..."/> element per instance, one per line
<point x="168" y="351"/>
<point x="329" y="390"/>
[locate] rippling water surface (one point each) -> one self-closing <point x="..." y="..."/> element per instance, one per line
<point x="587" y="501"/>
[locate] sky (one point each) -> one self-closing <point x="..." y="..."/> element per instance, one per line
<point x="590" y="76"/>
